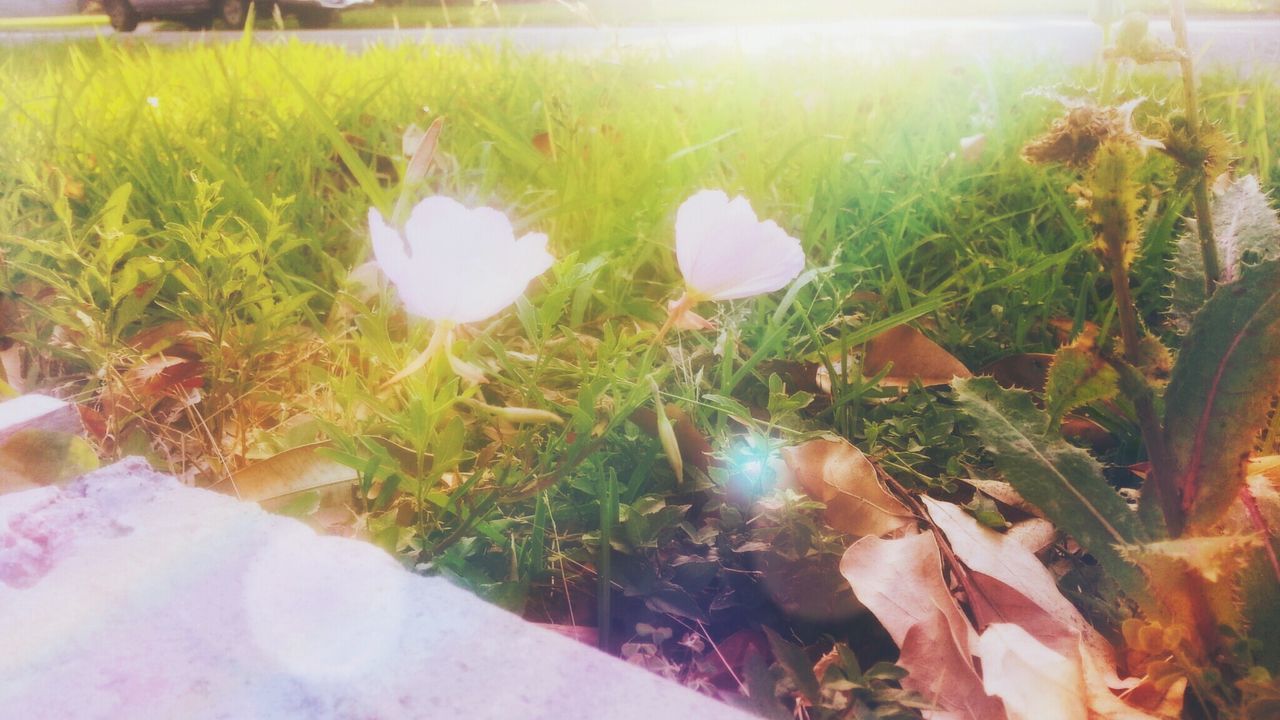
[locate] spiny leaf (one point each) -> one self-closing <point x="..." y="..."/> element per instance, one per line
<point x="1065" y="482"/>
<point x="1221" y="391"/>
<point x="1212" y="557"/>
<point x="1077" y="377"/>
<point x="1244" y="225"/>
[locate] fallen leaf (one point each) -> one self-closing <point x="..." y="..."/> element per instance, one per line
<point x="35" y="457"/>
<point x="900" y="581"/>
<point x="297" y="470"/>
<point x="1033" y="681"/>
<point x="542" y="143"/>
<point x="972" y="147"/>
<point x="1015" y="586"/>
<point x="1026" y="371"/>
<point x="914" y="357"/>
<point x="1034" y="534"/>
<point x="1003" y="492"/>
<point x="910" y="356"/>
<point x="836" y="473"/>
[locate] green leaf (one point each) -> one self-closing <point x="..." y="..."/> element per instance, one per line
<point x="1221" y="391"/>
<point x="796" y="664"/>
<point x="1064" y="481"/>
<point x="1077" y="377"/>
<point x="363" y="174"/>
<point x="762" y="688"/>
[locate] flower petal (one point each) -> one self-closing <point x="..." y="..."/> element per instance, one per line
<point x="726" y="253"/>
<point x="463" y="264"/>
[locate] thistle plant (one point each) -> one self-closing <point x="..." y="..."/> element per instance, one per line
<point x="1198" y="557"/>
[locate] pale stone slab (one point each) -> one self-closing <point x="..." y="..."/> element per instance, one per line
<point x="37" y="412"/>
<point x="127" y="595"/>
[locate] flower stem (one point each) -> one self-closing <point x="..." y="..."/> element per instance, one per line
<point x="1144" y="404"/>
<point x="439" y="338"/>
<point x="1200" y="190"/>
<point x="682" y="306"/>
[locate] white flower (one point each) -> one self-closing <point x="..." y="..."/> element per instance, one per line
<point x="725" y="252"/>
<point x="461" y="265"/>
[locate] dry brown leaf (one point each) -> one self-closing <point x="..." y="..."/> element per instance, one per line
<point x="297" y="470"/>
<point x="836" y="473"/>
<point x="913" y="356"/>
<point x="1034" y="681"/>
<point x="1003" y="492"/>
<point x="542" y="143"/>
<point x="1034" y="534"/>
<point x="1015" y="586"/>
<point x="1026" y="371"/>
<point x="900" y="581"/>
<point x="1012" y="586"/>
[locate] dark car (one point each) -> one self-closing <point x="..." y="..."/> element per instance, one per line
<point x="126" y="14"/>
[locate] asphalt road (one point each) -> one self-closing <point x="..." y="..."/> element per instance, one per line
<point x="1247" y="43"/>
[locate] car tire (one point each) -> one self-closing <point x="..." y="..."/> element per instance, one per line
<point x="121" y="14"/>
<point x="198" y="22"/>
<point x="316" y="18"/>
<point x="234" y="13"/>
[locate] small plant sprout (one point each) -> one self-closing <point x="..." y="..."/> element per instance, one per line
<point x="725" y="252"/>
<point x="461" y="265"/>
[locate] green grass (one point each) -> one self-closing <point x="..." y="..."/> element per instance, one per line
<point x="59" y="22"/>
<point x="661" y="12"/>
<point x="537" y="13"/>
<point x="212" y="200"/>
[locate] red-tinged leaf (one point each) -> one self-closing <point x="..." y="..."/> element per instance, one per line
<point x="837" y="474"/>
<point x="1221" y="392"/>
<point x="93" y="421"/>
<point x="163" y="374"/>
